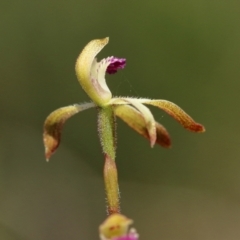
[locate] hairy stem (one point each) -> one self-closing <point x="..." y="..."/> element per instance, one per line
<point x="107" y="130"/>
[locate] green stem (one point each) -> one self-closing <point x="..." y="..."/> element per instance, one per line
<point x="107" y="130"/>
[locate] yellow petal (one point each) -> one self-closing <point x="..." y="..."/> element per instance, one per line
<point x="177" y="113"/>
<point x="54" y="123"/>
<point x="135" y="120"/>
<point x="147" y="117"/>
<point x="116" y="225"/>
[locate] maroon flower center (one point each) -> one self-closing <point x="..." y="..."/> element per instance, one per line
<point x="116" y="63"/>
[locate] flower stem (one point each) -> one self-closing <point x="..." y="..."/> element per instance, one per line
<point x="111" y="185"/>
<point x="107" y="130"/>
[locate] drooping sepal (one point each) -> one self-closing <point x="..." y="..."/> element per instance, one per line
<point x="136" y="121"/>
<point x="54" y="123"/>
<point x="146" y="114"/>
<point x="177" y="113"/>
<point x="163" y="137"/>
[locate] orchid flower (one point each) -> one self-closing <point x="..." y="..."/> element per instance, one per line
<point x="91" y="76"/>
<point x="116" y="227"/>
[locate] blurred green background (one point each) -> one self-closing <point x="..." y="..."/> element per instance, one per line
<point x="185" y="51"/>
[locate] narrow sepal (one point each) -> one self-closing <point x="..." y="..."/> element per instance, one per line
<point x="54" y="123"/>
<point x="177" y="113"/>
<point x="136" y="121"/>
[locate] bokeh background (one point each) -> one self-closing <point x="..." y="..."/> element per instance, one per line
<point x="185" y="51"/>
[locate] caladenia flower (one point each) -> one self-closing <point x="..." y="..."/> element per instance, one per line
<point x="91" y="76"/>
<point x="117" y="227"/>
